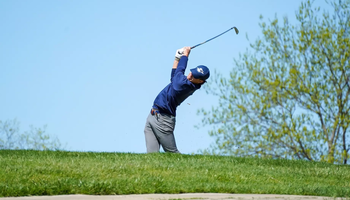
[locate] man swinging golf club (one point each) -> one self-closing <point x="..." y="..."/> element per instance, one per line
<point x="160" y="124"/>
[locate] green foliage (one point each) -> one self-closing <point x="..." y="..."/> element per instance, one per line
<point x="35" y="138"/>
<point x="288" y="97"/>
<point x="31" y="173"/>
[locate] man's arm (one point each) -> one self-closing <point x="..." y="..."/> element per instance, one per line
<point x="176" y="62"/>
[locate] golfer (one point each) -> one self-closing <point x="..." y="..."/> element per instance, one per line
<point x="160" y="124"/>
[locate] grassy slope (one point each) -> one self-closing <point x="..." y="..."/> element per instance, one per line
<point x="25" y="173"/>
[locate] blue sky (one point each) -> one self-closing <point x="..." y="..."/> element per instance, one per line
<point x="90" y="69"/>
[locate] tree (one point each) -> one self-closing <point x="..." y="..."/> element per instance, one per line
<point x="35" y="138"/>
<point x="288" y="97"/>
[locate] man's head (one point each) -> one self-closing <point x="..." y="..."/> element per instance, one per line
<point x="199" y="74"/>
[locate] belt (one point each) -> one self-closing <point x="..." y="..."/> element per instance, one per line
<point x="154" y="111"/>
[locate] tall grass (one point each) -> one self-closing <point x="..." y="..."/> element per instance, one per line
<point x="24" y="173"/>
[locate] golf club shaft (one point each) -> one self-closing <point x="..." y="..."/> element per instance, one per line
<point x="236" y="30"/>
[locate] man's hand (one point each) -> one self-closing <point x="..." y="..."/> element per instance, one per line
<point x="179" y="53"/>
<point x="186" y="51"/>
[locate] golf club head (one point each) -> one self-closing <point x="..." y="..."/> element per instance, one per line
<point x="236" y="30"/>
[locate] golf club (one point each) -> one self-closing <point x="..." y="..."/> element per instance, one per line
<point x="236" y="30"/>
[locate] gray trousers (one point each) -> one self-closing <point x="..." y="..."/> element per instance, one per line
<point x="159" y="130"/>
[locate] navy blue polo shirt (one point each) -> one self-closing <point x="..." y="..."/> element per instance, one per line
<point x="176" y="91"/>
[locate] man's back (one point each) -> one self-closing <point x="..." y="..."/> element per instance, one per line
<point x="176" y="91"/>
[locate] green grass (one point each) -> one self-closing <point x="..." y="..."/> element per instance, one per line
<point x="24" y="173"/>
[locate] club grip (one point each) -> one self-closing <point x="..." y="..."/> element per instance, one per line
<point x="195" y="46"/>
